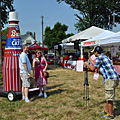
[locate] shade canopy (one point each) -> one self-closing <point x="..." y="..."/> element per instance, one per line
<point x="35" y="46"/>
<point x="99" y="39"/>
<point x="89" y="33"/>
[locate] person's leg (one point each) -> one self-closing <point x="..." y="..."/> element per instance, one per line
<point x="23" y="88"/>
<point x="26" y="85"/>
<point x="40" y="88"/>
<point x="110" y="102"/>
<point x="23" y="93"/>
<point x="44" y="88"/>
<point x="110" y="96"/>
<point x="110" y="107"/>
<point x="107" y="107"/>
<point x="26" y="92"/>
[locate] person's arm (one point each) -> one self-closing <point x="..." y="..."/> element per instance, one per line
<point x="45" y="64"/>
<point x="89" y="66"/>
<point x="33" y="67"/>
<point x="25" y="67"/>
<point x="93" y="63"/>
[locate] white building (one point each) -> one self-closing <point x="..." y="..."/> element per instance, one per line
<point x="27" y="39"/>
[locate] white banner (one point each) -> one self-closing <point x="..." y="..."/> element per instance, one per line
<point x="79" y="66"/>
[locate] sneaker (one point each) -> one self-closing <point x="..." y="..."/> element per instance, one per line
<point x="40" y="94"/>
<point x="23" y="97"/>
<point x="103" y="112"/>
<point x="45" y="95"/>
<point x="27" y="100"/>
<point x="107" y="117"/>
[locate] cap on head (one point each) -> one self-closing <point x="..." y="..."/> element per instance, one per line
<point x="98" y="49"/>
<point x="93" y="49"/>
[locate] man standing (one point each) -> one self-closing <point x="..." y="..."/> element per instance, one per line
<point x="25" y="69"/>
<point x="111" y="79"/>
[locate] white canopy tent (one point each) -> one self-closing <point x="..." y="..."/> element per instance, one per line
<point x="88" y="33"/>
<point x="67" y="39"/>
<point x="67" y="45"/>
<point x="97" y="40"/>
<point x="111" y="40"/>
<point x="85" y="35"/>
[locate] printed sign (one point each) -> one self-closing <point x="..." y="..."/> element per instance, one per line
<point x="89" y="43"/>
<point x="14" y="32"/>
<point x="13" y="43"/>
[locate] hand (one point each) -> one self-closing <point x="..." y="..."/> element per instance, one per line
<point x="86" y="63"/>
<point x="88" y="54"/>
<point x="29" y="75"/>
<point x="43" y="70"/>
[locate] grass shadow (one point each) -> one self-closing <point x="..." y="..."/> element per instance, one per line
<point x="97" y="104"/>
<point x="34" y="95"/>
<point x="117" y="108"/>
<point x="52" y="75"/>
<point x="50" y="93"/>
<point x="52" y="87"/>
<point x="58" y="91"/>
<point x="34" y="98"/>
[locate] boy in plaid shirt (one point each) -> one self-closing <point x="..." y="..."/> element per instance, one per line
<point x="111" y="79"/>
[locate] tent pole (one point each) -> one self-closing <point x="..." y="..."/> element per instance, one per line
<point x="81" y="52"/>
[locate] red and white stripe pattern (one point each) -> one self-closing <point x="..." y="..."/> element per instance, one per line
<point x="11" y="73"/>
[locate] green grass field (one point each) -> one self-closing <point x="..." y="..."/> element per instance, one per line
<point x="65" y="91"/>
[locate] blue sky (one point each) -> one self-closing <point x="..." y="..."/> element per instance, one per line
<point x="30" y="12"/>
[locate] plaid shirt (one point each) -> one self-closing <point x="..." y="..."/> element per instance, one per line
<point x="106" y="68"/>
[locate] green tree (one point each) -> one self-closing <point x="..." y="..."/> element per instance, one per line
<point x="69" y="34"/>
<point x="94" y="12"/>
<point x="55" y="35"/>
<point x="5" y="31"/>
<point x="29" y="33"/>
<point x="6" y="7"/>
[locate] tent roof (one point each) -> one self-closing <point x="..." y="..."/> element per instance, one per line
<point x="36" y="46"/>
<point x="112" y="40"/>
<point x="97" y="39"/>
<point x="85" y="34"/>
<point x="88" y="33"/>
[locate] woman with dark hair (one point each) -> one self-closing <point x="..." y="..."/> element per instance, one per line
<point x="40" y="65"/>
